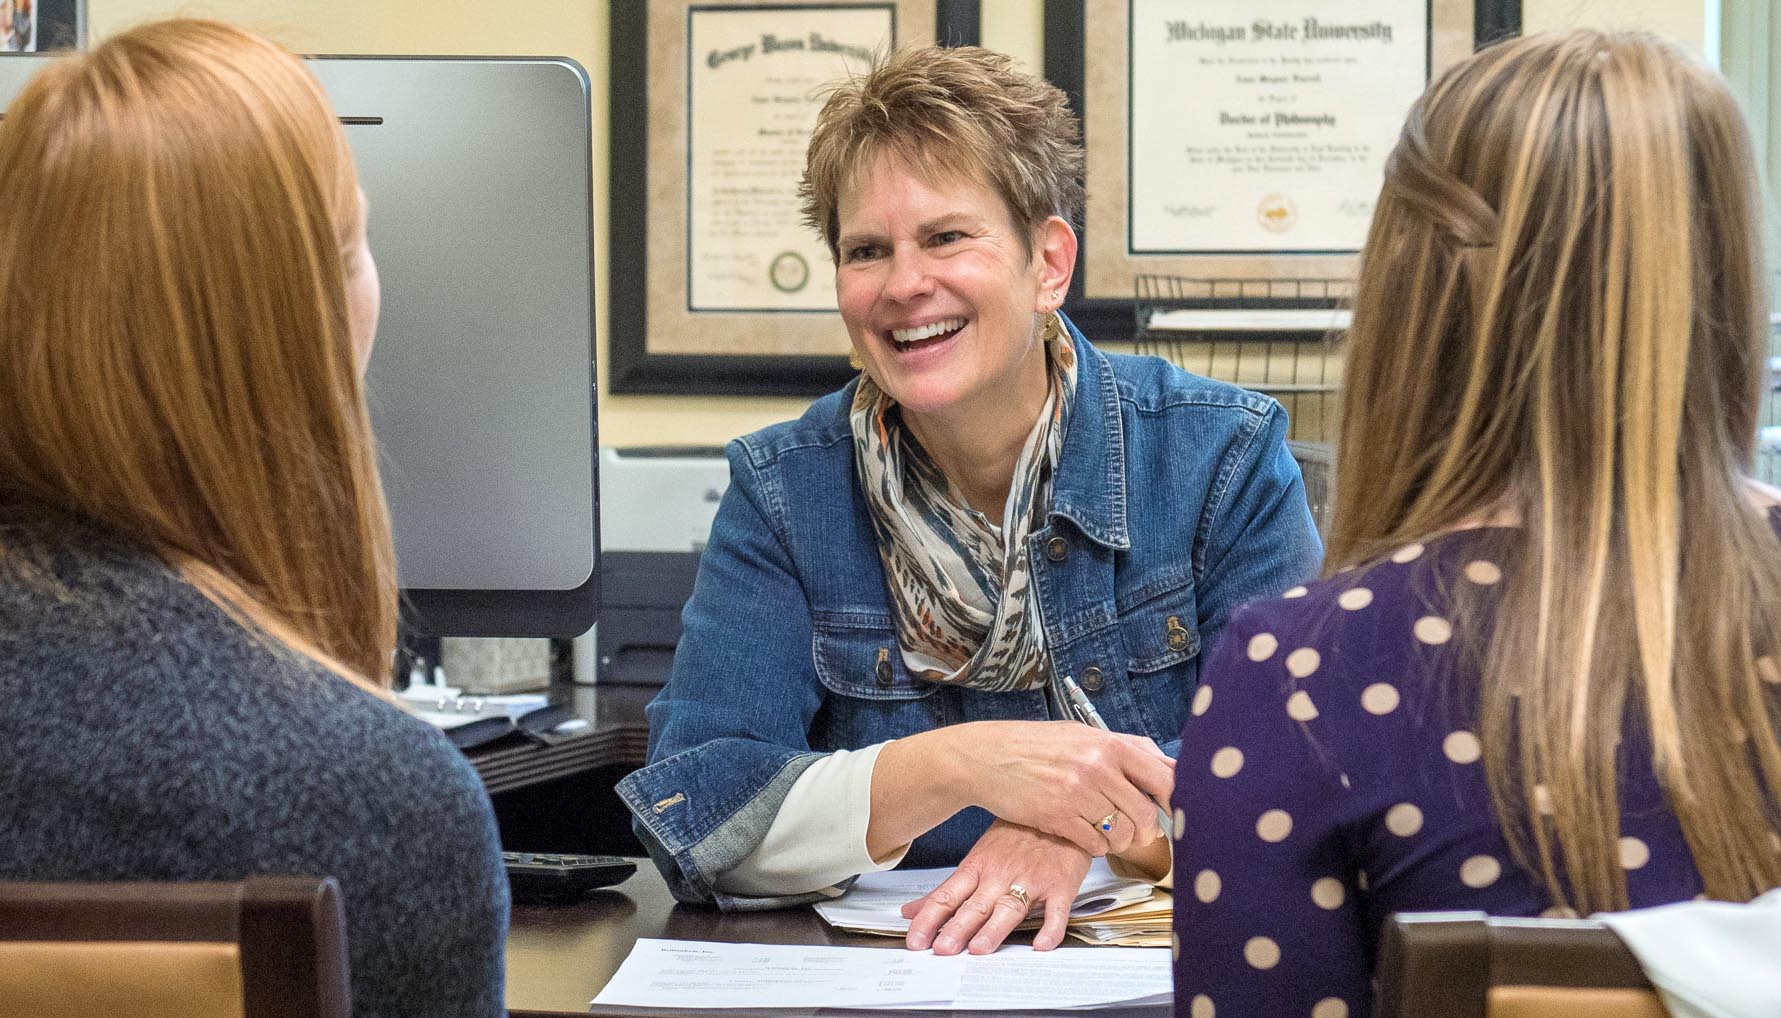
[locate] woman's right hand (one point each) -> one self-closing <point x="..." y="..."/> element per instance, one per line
<point x="1064" y="779"/>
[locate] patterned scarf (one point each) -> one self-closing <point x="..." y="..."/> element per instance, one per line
<point x="960" y="585"/>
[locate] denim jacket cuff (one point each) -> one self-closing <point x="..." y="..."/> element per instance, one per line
<point x="692" y="861"/>
<point x="741" y="903"/>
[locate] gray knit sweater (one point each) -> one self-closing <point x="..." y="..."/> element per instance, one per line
<point x="145" y="736"/>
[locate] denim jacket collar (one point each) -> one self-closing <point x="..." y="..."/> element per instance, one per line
<point x="1089" y="489"/>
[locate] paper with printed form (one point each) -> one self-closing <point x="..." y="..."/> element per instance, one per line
<point x="733" y="977"/>
<point x="1016" y="978"/>
<point x="874" y="903"/>
<point x="695" y="974"/>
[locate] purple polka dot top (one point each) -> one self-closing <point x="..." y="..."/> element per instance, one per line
<point x="1329" y="776"/>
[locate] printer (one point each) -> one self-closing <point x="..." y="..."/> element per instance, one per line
<point x="656" y="508"/>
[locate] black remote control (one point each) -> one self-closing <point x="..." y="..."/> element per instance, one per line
<point x="555" y="877"/>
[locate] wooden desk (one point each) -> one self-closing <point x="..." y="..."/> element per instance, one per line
<point x="560" y="956"/>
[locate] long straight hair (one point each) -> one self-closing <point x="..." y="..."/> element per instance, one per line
<point x="179" y="209"/>
<point x="1561" y="318"/>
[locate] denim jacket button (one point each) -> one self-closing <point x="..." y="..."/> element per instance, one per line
<point x="1057" y="549"/>
<point x="1177" y="634"/>
<point x="882" y="671"/>
<point x="1092" y="679"/>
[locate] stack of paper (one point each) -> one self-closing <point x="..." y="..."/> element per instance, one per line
<point x="1140" y="924"/>
<point x="1251" y="320"/>
<point x="874" y="903"/>
<point x="735" y="978"/>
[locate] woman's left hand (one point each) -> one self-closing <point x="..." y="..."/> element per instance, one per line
<point x="974" y="908"/>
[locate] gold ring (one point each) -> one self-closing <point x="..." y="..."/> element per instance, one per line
<point x="1020" y="892"/>
<point x="1108" y="821"/>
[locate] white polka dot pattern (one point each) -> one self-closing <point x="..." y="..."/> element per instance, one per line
<point x="1262" y="646"/>
<point x="1180" y="819"/>
<point x="1296" y="592"/>
<point x="1274" y="826"/>
<point x="1372" y="640"/>
<point x="1483" y="573"/>
<point x="1227" y="762"/>
<point x="1433" y="630"/>
<point x="1380" y="698"/>
<point x="1302" y="662"/>
<point x="1403" y="820"/>
<point x="1207" y="886"/>
<point x="1480" y="871"/>
<point x="1300" y="708"/>
<point x="1202" y="1007"/>
<point x="1261" y="953"/>
<point x="1175" y="945"/>
<point x="1462" y="747"/>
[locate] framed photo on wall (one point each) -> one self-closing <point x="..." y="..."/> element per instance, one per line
<point x="716" y="284"/>
<point x="1240" y="139"/>
<point x="37" y="26"/>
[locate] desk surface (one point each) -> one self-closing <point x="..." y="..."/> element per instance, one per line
<point x="560" y="956"/>
<point x="617" y="734"/>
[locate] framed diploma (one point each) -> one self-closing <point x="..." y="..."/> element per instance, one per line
<point x="716" y="284"/>
<point x="1241" y="139"/>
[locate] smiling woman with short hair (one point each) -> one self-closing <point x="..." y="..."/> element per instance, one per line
<point x="898" y="582"/>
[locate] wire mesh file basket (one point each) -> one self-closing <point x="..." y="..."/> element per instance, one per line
<point x="1278" y="336"/>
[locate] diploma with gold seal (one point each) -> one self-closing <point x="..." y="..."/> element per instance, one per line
<point x="756" y="78"/>
<point x="1264" y="125"/>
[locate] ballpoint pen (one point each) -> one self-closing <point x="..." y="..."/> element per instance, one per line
<point x="1085" y="711"/>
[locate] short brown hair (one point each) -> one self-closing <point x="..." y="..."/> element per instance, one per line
<point x="949" y="112"/>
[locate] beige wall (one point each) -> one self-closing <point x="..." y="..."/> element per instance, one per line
<point x="532" y="27"/>
<point x="579" y="30"/>
<point x="1682" y="20"/>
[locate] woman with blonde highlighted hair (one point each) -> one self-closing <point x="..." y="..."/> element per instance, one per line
<point x="1539" y="675"/>
<point x="197" y="587"/>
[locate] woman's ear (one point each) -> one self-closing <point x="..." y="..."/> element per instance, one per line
<point x="1054" y="250"/>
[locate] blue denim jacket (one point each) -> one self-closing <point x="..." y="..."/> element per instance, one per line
<point x="1174" y="501"/>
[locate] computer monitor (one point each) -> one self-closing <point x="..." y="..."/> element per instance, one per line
<point x="481" y="386"/>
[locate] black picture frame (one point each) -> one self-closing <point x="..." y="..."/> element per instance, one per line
<point x="1108" y="319"/>
<point x="633" y="367"/>
<point x="60" y="25"/>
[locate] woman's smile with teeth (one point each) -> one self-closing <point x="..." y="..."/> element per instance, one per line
<point x="904" y="337"/>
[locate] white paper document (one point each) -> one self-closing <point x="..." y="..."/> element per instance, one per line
<point x="874" y="903"/>
<point x="692" y="974"/>
<point x="1251" y="320"/>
